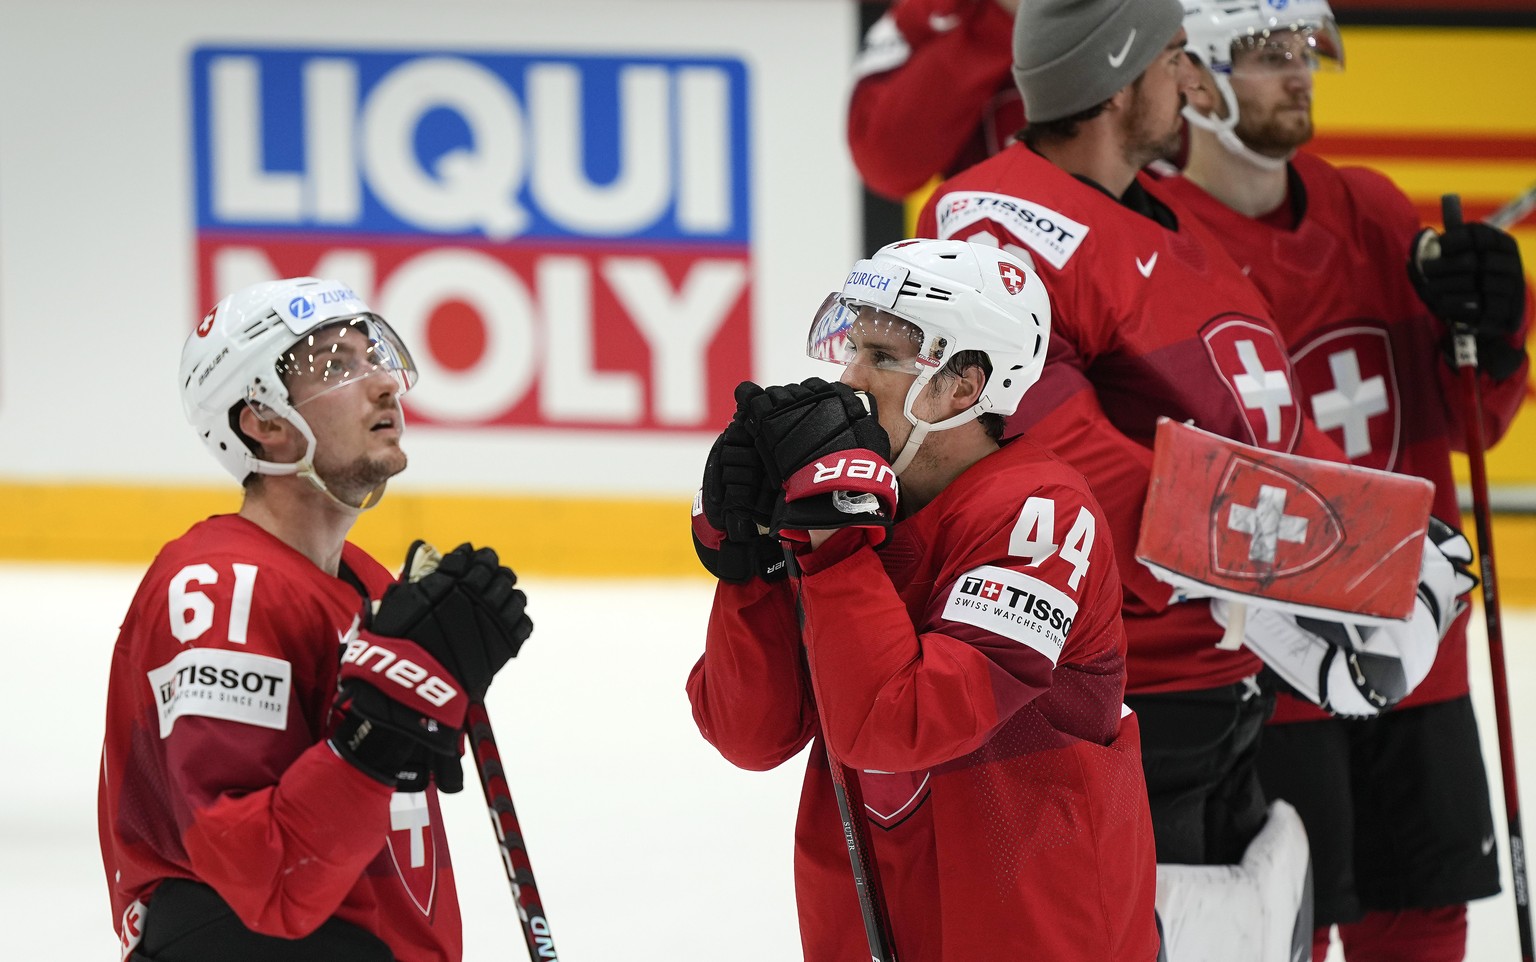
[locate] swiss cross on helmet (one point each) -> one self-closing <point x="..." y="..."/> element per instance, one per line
<point x="257" y="341"/>
<point x="945" y="297"/>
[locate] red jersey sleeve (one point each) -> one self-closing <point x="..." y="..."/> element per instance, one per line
<point x="909" y="680"/>
<point x="926" y="85"/>
<point x="241" y="659"/>
<point x="748" y="691"/>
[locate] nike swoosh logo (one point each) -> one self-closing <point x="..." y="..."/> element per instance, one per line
<point x="1146" y="269"/>
<point x="1487" y="844"/>
<point x="1115" y="60"/>
<point x="943" y="23"/>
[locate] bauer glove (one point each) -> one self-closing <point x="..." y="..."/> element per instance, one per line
<point x="400" y="714"/>
<point x="823" y="446"/>
<point x="732" y="511"/>
<point x="465" y="610"/>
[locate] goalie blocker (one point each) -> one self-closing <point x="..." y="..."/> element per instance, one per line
<point x="1350" y="583"/>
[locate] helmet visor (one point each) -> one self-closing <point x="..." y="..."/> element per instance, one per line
<point x="345" y="352"/>
<point x="1283" y="47"/>
<point x="858" y="334"/>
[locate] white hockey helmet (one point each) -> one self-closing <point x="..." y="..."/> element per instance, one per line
<point x="1219" y="28"/>
<point x="253" y="340"/>
<point x="947" y="296"/>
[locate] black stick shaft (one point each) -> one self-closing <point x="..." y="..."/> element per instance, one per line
<point x="866" y="875"/>
<point x="1472" y="408"/>
<point x="850" y="807"/>
<point x="509" y="837"/>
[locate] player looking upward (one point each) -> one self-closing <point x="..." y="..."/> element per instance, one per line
<point x="280" y="713"/>
<point x="1396" y="807"/>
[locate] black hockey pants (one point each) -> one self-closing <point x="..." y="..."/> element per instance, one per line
<point x="189" y="922"/>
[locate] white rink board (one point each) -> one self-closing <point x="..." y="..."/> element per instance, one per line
<point x="102" y="103"/>
<point x="648" y="846"/>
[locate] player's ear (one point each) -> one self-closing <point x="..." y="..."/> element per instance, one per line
<point x="960" y="391"/>
<point x="1202" y="93"/>
<point x="272" y="434"/>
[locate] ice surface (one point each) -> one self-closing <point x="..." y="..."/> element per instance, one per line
<point x="647" y="845"/>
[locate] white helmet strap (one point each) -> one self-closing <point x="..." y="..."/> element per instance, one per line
<point x="305" y="466"/>
<point x="920" y="428"/>
<point x="1225" y="128"/>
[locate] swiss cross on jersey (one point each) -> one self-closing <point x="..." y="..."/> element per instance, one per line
<point x="1235" y="521"/>
<point x="412" y="847"/>
<point x="1350" y="385"/>
<point x="1253" y="362"/>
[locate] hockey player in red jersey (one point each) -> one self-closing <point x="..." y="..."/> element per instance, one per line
<point x="932" y="92"/>
<point x="1152" y="319"/>
<point x="971" y="669"/>
<point x="1396" y="807"/>
<point x="280" y="713"/>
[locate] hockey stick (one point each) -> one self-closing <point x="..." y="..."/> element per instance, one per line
<point x="421" y="560"/>
<point x="509" y="837"/>
<point x="1466" y="363"/>
<point x="1512" y="213"/>
<point x="850" y="807"/>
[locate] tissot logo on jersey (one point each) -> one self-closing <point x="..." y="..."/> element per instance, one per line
<point x="1014" y="605"/>
<point x="215" y="683"/>
<point x="563" y="240"/>
<point x="1051" y="234"/>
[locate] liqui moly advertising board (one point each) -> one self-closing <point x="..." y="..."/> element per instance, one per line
<point x="563" y="240"/>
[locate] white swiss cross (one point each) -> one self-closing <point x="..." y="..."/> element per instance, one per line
<point x="1269" y="391"/>
<point x="1351" y="404"/>
<point x="408" y="812"/>
<point x="1012" y="278"/>
<point x="1268" y="523"/>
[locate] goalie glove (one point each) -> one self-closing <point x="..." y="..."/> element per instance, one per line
<point x="1357" y="670"/>
<point x="1445" y="576"/>
<point x="823" y="445"/>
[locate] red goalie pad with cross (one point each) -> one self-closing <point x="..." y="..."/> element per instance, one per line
<point x="1229" y="520"/>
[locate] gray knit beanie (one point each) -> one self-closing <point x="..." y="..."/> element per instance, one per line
<point x="1069" y="55"/>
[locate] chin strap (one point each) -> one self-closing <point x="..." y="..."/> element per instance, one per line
<point x="921" y="428"/>
<point x="1225" y="129"/>
<point x="305" y="466"/>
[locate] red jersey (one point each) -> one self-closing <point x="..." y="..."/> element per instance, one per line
<point x="1148" y="319"/>
<point x="215" y="765"/>
<point x="933" y="94"/>
<point x="1366" y="350"/>
<point x="973" y="670"/>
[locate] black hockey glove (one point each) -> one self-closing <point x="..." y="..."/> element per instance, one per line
<point x="823" y="446"/>
<point x="465" y="611"/>
<point x="400" y="714"/>
<point x="736" y="496"/>
<point x="732" y="511"/>
<point x="1471" y="277"/>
